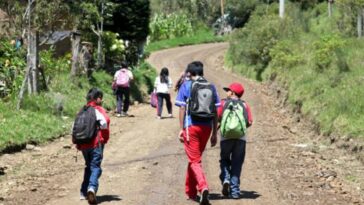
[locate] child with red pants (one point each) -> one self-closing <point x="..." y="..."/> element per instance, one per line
<point x="195" y="134"/>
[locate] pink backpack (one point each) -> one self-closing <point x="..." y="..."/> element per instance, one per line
<point x="123" y="78"/>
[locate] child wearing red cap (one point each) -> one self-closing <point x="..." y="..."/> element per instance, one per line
<point x="234" y="118"/>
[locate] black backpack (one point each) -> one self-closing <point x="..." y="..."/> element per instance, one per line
<point x="85" y="126"/>
<point x="201" y="104"/>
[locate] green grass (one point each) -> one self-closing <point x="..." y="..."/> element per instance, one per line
<point x="332" y="98"/>
<point x="201" y="36"/>
<point x="331" y="95"/>
<point x="40" y="120"/>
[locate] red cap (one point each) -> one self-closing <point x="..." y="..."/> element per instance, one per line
<point x="237" y="88"/>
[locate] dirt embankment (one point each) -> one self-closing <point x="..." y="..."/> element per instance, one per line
<point x="145" y="164"/>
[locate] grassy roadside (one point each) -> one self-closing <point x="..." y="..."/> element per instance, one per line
<point x="41" y="120"/>
<point x="201" y="36"/>
<point x="319" y="66"/>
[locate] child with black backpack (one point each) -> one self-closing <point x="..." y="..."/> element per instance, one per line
<point x="90" y="133"/>
<point x="197" y="100"/>
<point x="234" y="117"/>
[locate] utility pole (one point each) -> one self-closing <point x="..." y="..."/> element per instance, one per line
<point x="281" y="8"/>
<point x="360" y="23"/>
<point x="329" y="5"/>
<point x="222" y="8"/>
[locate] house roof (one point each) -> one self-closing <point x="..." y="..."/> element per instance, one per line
<point x="56" y="37"/>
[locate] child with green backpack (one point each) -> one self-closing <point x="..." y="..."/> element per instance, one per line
<point x="234" y="117"/>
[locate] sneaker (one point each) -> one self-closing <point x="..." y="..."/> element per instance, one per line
<point x="204" y="199"/>
<point x="91" y="196"/>
<point x="159" y="117"/>
<point x="170" y="115"/>
<point x="124" y="114"/>
<point x="82" y="196"/>
<point x="235" y="196"/>
<point x="118" y="115"/>
<point x="226" y="189"/>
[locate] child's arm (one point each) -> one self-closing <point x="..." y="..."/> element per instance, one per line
<point x="250" y="117"/>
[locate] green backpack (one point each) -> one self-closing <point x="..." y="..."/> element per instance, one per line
<point x="233" y="123"/>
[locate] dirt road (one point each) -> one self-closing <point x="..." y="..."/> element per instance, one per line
<point x="145" y="164"/>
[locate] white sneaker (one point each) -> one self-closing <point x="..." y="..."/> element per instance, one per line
<point x="159" y="117"/>
<point x="91" y="196"/>
<point x="170" y="115"/>
<point x="118" y="115"/>
<point x="82" y="196"/>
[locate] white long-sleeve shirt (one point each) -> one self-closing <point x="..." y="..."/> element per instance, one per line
<point x="162" y="87"/>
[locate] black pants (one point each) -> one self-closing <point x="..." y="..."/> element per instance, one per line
<point x="122" y="99"/>
<point x="167" y="97"/>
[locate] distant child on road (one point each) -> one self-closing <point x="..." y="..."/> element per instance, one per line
<point x="234" y="117"/>
<point x="90" y="134"/>
<point x="197" y="100"/>
<point x="122" y="79"/>
<point x="162" y="85"/>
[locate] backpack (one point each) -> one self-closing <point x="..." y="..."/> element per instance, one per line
<point x="122" y="79"/>
<point x="233" y="122"/>
<point x="85" y="126"/>
<point x="201" y="104"/>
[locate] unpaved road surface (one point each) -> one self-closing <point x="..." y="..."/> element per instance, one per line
<point x="144" y="163"/>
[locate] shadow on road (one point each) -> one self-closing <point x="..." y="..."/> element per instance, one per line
<point x="108" y="198"/>
<point x="243" y="195"/>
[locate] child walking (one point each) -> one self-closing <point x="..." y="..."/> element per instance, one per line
<point x="92" y="149"/>
<point x="234" y="117"/>
<point x="195" y="132"/>
<point x="162" y="85"/>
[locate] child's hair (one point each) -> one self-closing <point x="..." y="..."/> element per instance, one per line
<point x="93" y="94"/>
<point x="195" y="68"/>
<point x="164" y="75"/>
<point x="124" y="64"/>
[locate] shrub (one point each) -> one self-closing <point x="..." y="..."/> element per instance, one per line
<point x="12" y="66"/>
<point x="325" y="50"/>
<point x="284" y="56"/>
<point x="252" y="44"/>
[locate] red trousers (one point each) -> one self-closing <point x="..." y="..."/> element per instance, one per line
<point x="195" y="177"/>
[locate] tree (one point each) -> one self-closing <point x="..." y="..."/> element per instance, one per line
<point x="329" y="7"/>
<point x="130" y="20"/>
<point x="38" y="17"/>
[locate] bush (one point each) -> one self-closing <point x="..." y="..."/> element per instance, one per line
<point x="326" y="49"/>
<point x="143" y="84"/>
<point x="12" y="68"/>
<point x="284" y="55"/>
<point x="252" y="44"/>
